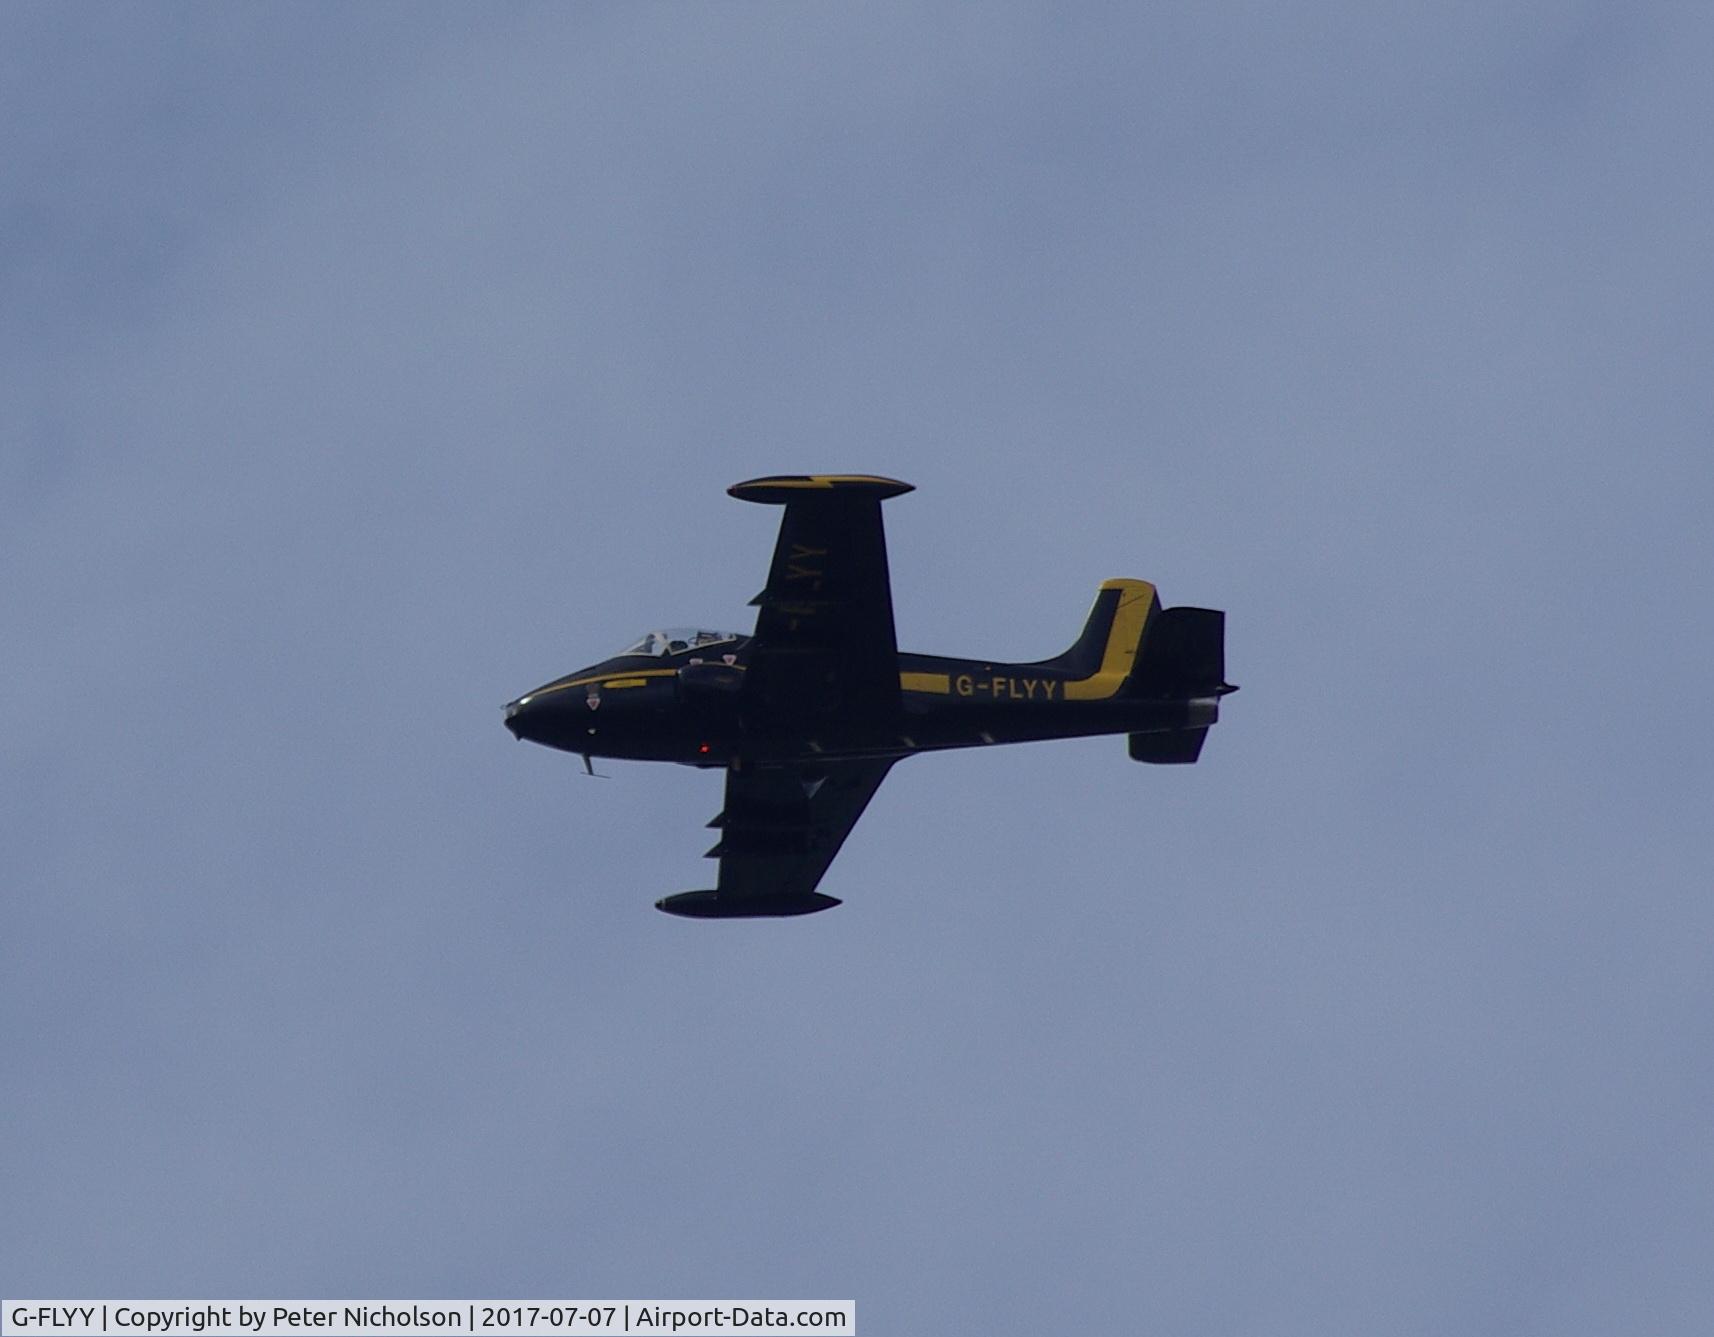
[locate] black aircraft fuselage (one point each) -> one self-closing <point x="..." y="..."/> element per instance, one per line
<point x="807" y="714"/>
<point x="687" y="706"/>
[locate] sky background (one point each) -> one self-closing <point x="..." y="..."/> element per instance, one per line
<point x="363" y="368"/>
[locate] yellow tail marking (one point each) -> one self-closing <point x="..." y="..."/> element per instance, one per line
<point x="1124" y="639"/>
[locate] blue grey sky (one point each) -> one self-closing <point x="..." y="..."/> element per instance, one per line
<point x="365" y="367"/>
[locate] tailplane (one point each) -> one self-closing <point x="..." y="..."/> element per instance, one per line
<point x="1176" y="747"/>
<point x="1184" y="654"/>
<point x="1182" y="665"/>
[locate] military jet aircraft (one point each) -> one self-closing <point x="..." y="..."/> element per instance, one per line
<point x="807" y="714"/>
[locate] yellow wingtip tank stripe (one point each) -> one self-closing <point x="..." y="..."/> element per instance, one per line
<point x="1124" y="640"/>
<point x="784" y="487"/>
<point x="818" y="480"/>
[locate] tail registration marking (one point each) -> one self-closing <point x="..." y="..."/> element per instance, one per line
<point x="1005" y="688"/>
<point x="805" y="563"/>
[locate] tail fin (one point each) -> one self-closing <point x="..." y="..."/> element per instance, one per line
<point x="1132" y="647"/>
<point x="1121" y="613"/>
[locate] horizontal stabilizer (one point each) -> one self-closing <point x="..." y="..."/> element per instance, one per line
<point x="1184" y="654"/>
<point x="1175" y="747"/>
<point x="717" y="905"/>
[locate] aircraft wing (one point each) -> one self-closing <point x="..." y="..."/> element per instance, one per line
<point x="824" y="645"/>
<point x="779" y="831"/>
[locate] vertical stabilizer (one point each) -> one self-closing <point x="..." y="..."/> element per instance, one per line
<point x="1117" y="621"/>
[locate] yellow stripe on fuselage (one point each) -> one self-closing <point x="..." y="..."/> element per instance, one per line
<point x="632" y="678"/>
<point x="1124" y="639"/>
<point x="940" y="683"/>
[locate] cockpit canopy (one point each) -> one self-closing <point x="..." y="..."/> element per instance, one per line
<point x="677" y="640"/>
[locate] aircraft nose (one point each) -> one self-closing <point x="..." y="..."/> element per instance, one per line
<point x="547" y="715"/>
<point x="517" y="717"/>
